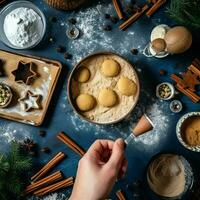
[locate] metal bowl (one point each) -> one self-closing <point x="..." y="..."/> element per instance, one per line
<point x="71" y="100"/>
<point x="179" y="126"/>
<point x="9" y="8"/>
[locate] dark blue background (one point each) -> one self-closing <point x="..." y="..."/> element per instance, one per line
<point x="60" y="116"/>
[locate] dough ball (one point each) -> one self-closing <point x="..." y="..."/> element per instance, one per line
<point x="110" y="68"/>
<point x="82" y="75"/>
<point x="126" y="86"/>
<point x="85" y="102"/>
<point x="107" y="97"/>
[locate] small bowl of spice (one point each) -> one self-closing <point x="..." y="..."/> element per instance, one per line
<point x="165" y="91"/>
<point x="22" y="25"/>
<point x="5" y="95"/>
<point x="188" y="131"/>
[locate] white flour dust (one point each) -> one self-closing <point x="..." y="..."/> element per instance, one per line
<point x="157" y="113"/>
<point x="93" y="38"/>
<point x="13" y="131"/>
<point x="54" y="196"/>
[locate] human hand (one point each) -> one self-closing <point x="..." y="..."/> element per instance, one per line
<point x="98" y="170"/>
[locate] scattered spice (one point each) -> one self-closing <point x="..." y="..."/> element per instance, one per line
<point x="33" y="153"/>
<point x="134" y="51"/>
<point x="60" y="49"/>
<point x="72" y="32"/>
<point x="45" y="150"/>
<point x="113" y="19"/>
<point x="107" y="16"/>
<point x="107" y="28"/>
<point x="176" y="106"/>
<point x="29" y="146"/>
<point x="67" y="56"/>
<point x="163" y="72"/>
<point x="72" y="21"/>
<point x="42" y="133"/>
<point x="53" y="19"/>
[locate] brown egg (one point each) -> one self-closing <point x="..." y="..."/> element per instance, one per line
<point x="178" y="39"/>
<point x="158" y="45"/>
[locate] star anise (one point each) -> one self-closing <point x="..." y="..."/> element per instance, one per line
<point x="28" y="145"/>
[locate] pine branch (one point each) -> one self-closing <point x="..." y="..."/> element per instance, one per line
<point x="185" y="12"/>
<point x="13" y="167"/>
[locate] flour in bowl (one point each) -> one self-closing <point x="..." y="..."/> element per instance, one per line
<point x="22" y="27"/>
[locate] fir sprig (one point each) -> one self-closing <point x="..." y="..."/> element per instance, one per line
<point x="13" y="169"/>
<point x="185" y="12"/>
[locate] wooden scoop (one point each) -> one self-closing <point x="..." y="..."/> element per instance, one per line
<point x="143" y="126"/>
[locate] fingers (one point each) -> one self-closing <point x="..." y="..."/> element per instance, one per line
<point x="98" y="148"/>
<point x="123" y="168"/>
<point x="117" y="155"/>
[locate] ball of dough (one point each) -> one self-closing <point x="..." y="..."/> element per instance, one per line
<point x="82" y="75"/>
<point x="85" y="102"/>
<point x="110" y="68"/>
<point x="126" y="86"/>
<point x="107" y="97"/>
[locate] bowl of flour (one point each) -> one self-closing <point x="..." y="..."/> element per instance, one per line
<point x="22" y="25"/>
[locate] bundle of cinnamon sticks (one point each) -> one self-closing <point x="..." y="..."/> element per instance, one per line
<point x="151" y="9"/>
<point x="42" y="185"/>
<point x="182" y="85"/>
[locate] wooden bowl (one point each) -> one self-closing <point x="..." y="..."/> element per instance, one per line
<point x="72" y="99"/>
<point x="180" y="127"/>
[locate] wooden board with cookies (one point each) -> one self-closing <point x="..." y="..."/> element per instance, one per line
<point x="31" y="82"/>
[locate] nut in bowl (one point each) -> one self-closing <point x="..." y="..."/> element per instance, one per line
<point x="165" y="91"/>
<point x="188" y="131"/>
<point x="5" y="95"/>
<point x="103" y="88"/>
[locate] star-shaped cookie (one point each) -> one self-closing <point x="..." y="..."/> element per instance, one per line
<point x="24" y="72"/>
<point x="30" y="101"/>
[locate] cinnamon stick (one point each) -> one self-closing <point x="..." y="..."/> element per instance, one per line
<point x="194" y="69"/>
<point x="194" y="97"/>
<point x="155" y="7"/>
<point x="52" y="188"/>
<point x="44" y="182"/>
<point x="71" y="143"/>
<point x="118" y="9"/>
<point x="120" y="195"/>
<point x="52" y="163"/>
<point x="196" y="62"/>
<point x="178" y="80"/>
<point x="133" y="18"/>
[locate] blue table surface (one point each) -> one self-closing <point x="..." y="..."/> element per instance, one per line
<point x="60" y="116"/>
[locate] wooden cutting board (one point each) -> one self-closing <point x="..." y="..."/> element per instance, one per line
<point x="43" y="84"/>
